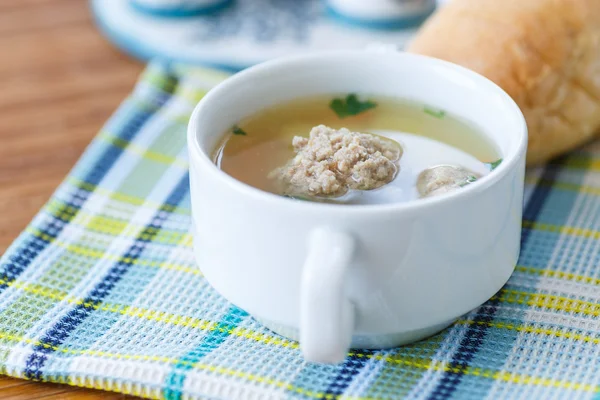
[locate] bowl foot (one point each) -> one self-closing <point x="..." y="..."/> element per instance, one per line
<point x="369" y="341"/>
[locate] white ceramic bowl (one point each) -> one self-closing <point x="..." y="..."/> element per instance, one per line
<point x="367" y="276"/>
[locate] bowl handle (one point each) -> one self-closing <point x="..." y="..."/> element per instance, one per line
<point x="326" y="313"/>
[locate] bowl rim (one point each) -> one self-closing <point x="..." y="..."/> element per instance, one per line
<point x="200" y="159"/>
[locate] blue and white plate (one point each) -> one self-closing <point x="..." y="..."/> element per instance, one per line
<point x="237" y="34"/>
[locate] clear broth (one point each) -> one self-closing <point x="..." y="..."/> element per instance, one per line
<point x="264" y="140"/>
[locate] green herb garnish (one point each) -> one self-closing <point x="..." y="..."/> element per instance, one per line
<point x="300" y="198"/>
<point x="494" y="165"/>
<point x="238" y="131"/>
<point x="470" y="179"/>
<point x="439" y="114"/>
<point x="350" y="106"/>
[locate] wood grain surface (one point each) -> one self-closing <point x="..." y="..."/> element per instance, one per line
<point x="59" y="82"/>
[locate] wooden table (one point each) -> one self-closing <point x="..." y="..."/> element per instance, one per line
<point x="59" y="82"/>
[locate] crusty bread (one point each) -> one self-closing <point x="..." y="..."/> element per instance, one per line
<point x="543" y="53"/>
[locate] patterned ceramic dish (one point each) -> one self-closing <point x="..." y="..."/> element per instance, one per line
<point x="237" y="35"/>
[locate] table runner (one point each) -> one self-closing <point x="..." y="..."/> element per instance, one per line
<point x="101" y="289"/>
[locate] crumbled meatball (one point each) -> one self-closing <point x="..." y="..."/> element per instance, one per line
<point x="330" y="162"/>
<point x="443" y="179"/>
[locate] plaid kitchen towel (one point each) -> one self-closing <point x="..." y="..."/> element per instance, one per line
<point x="101" y="289"/>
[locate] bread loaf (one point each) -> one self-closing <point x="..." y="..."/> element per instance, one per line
<point x="543" y="53"/>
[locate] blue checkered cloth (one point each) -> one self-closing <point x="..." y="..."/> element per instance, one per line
<point x="101" y="289"/>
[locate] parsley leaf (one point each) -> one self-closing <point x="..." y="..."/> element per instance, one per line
<point x="238" y="131"/>
<point x="439" y="114"/>
<point x="470" y="179"/>
<point x="351" y="105"/>
<point x="299" y="198"/>
<point x="494" y="165"/>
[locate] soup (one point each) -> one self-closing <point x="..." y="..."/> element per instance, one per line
<point x="432" y="152"/>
